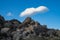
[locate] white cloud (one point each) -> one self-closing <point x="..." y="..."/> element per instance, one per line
<point x="9" y="14"/>
<point x="30" y="11"/>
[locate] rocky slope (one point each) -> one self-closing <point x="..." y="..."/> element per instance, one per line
<point x="26" y="30"/>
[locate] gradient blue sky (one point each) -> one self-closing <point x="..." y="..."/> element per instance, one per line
<point x="15" y="7"/>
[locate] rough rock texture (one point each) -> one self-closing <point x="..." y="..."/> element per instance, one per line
<point x="26" y="30"/>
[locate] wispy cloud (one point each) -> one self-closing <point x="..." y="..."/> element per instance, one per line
<point x="9" y="14"/>
<point x="30" y="11"/>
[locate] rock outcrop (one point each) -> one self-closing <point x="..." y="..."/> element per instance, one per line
<point x="26" y="30"/>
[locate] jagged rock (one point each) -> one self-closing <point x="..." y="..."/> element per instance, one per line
<point x="0" y="26"/>
<point x="5" y="29"/>
<point x="27" y="30"/>
<point x="1" y="23"/>
<point x="45" y="26"/>
<point x="51" y="32"/>
<point x="27" y="20"/>
<point x="7" y="24"/>
<point x="4" y="34"/>
<point x="2" y="20"/>
<point x="58" y="33"/>
<point x="32" y="22"/>
<point x="15" y="22"/>
<point x="20" y="26"/>
<point x="37" y="23"/>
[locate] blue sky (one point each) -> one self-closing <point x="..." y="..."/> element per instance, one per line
<point x="15" y="7"/>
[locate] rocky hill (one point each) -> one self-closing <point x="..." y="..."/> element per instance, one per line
<point x="26" y="30"/>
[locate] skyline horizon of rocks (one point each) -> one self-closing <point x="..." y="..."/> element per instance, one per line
<point x="16" y="30"/>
